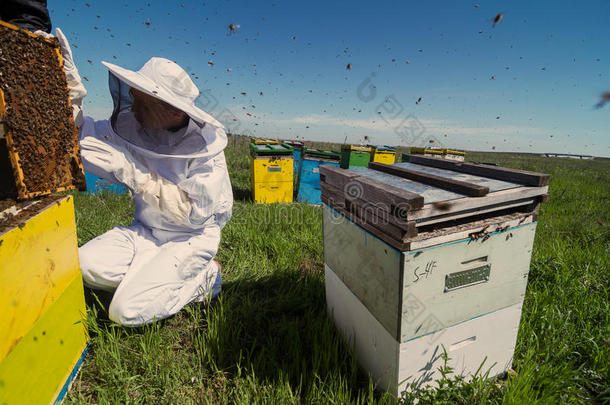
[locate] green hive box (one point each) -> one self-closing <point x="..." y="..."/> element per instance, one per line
<point x="355" y="155"/>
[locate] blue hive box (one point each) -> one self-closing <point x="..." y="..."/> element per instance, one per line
<point x="309" y="175"/>
<point x="96" y="184"/>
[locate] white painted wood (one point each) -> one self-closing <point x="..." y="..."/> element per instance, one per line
<point x="486" y="342"/>
<point x="425" y="271"/>
<point x="489" y="338"/>
<point x="366" y="264"/>
<point x="377" y="352"/>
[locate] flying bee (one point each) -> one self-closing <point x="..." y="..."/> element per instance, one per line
<point x="349" y="66"/>
<point x="498" y="19"/>
<point x="233" y="28"/>
<point x="604" y="98"/>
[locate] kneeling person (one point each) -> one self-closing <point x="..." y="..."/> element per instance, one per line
<point x="169" y="153"/>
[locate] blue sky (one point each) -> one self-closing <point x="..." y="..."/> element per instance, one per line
<point x="529" y="84"/>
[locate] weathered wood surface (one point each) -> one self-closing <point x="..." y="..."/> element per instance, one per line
<point x="369" y="267"/>
<point x="461" y="187"/>
<point x="376" y="212"/>
<point x="492" y="201"/>
<point x="523" y="177"/>
<point x="480" y="227"/>
<point x="394" y="238"/>
<point x="353" y="185"/>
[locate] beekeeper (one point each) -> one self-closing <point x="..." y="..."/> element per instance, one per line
<point x="169" y="153"/>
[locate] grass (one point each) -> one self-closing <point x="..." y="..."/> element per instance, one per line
<point x="268" y="338"/>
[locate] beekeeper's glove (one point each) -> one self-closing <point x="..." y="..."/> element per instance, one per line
<point x="76" y="88"/>
<point x="154" y="189"/>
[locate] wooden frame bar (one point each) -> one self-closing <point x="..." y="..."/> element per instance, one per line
<point x="456" y="186"/>
<point x="355" y="186"/>
<point x="493" y="172"/>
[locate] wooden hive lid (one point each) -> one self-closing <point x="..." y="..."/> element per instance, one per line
<point x="398" y="201"/>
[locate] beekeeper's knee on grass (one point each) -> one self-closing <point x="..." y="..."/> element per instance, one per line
<point x="90" y="268"/>
<point x="130" y="311"/>
<point x="125" y="313"/>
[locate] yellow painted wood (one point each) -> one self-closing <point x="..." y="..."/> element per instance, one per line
<point x="265" y="141"/>
<point x="357" y="148"/>
<point x="273" y="192"/>
<point x="36" y="369"/>
<point x="382" y="156"/>
<point x="422" y="151"/>
<point x="37" y="262"/>
<point x="272" y="178"/>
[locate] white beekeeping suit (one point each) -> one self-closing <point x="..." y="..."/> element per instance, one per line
<point x="182" y="195"/>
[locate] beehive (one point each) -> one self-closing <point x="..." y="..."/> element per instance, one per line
<point x="426" y="255"/>
<point x="42" y="309"/>
<point x="355" y="155"/>
<point x="39" y="150"/>
<point x="451" y="154"/>
<point x="297" y="147"/>
<point x="271" y="172"/>
<point x="309" y="176"/>
<point x="383" y="154"/>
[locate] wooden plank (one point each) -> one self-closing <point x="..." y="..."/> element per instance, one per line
<point x="455" y="233"/>
<point x="462" y="204"/>
<point x="461" y="187"/>
<point x="524" y="177"/>
<point x="399" y="201"/>
<point x="395" y="242"/>
<point x="525" y="205"/>
<point x="379" y="213"/>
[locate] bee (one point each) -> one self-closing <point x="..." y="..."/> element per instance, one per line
<point x="210" y="63"/>
<point x="349" y="66"/>
<point x="479" y="234"/>
<point x="418" y="100"/>
<point x="498" y="19"/>
<point x="233" y="28"/>
<point x="604" y="98"/>
<point x="442" y="205"/>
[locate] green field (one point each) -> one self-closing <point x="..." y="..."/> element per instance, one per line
<point x="268" y="338"/>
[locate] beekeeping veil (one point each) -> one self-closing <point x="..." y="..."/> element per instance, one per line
<point x="166" y="81"/>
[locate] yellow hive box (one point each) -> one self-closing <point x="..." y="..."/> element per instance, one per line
<point x="272" y="178"/>
<point x="43" y="335"/>
<point x="383" y="156"/>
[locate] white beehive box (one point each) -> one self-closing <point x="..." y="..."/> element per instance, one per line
<point x="413" y="265"/>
